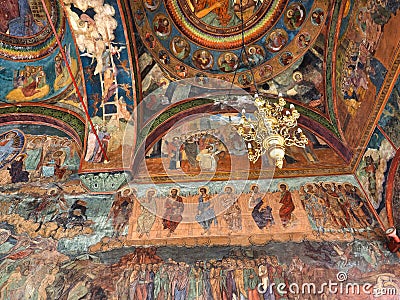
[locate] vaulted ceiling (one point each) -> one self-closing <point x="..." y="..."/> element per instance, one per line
<point x="101" y="101"/>
<point x="337" y="61"/>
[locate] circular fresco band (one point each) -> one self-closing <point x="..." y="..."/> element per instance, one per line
<point x="277" y="48"/>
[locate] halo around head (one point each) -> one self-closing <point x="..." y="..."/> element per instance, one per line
<point x="178" y="190"/>
<point x="231" y="187"/>
<point x="204" y="187"/>
<point x="151" y="190"/>
<point x="127" y="188"/>
<point x="254" y="186"/>
<point x="283" y="183"/>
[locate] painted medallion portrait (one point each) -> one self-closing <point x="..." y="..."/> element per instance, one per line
<point x="162" y="26"/>
<point x="202" y="59"/>
<point x="245" y="79"/>
<point x="150" y="40"/>
<point x="228" y="62"/>
<point x="317" y="16"/>
<point x="180" y="47"/>
<point x="286" y="58"/>
<point x="304" y="40"/>
<point x="276" y="40"/>
<point x="249" y="7"/>
<point x="295" y="16"/>
<point x="254" y="55"/>
<point x="164" y="57"/>
<point x="265" y="71"/>
<point x="181" y="71"/>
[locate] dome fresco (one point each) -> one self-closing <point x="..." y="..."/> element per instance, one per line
<point x="25" y="32"/>
<point x="268" y="27"/>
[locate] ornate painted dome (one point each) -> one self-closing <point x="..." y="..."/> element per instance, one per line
<point x="206" y="38"/>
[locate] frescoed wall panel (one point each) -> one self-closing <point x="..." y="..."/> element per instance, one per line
<point x="66" y="242"/>
<point x="100" y="37"/>
<point x="258" y="270"/>
<point x="390" y="118"/>
<point x="317" y="209"/>
<point x="37" y="153"/>
<point x="223" y="213"/>
<point x="396" y="199"/>
<point x="360" y="68"/>
<point x="373" y="168"/>
<point x="40" y="74"/>
<point x="209" y="147"/>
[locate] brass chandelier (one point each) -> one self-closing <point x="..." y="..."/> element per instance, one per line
<point x="274" y="128"/>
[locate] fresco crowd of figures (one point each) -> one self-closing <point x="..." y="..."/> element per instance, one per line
<point x="329" y="207"/>
<point x="241" y="273"/>
<point x="315" y="209"/>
